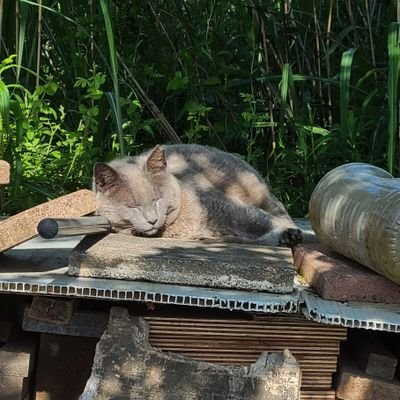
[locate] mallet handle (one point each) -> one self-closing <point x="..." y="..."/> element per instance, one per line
<point x="50" y="228"/>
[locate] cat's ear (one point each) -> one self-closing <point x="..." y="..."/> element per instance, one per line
<point x="156" y="162"/>
<point x="104" y="176"/>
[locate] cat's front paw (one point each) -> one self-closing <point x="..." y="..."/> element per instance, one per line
<point x="290" y="237"/>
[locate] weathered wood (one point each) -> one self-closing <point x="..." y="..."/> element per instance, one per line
<point x="51" y="309"/>
<point x="190" y="263"/>
<point x="317" y="395"/>
<point x="240" y="342"/>
<point x="22" y="226"/>
<point x="148" y="373"/>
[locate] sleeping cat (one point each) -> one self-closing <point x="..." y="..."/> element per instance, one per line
<point x="191" y="192"/>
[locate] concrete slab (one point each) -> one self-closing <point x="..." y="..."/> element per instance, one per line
<point x="335" y="277"/>
<point x="190" y="263"/>
<point x="126" y="367"/>
<point x="14" y="388"/>
<point x="17" y="358"/>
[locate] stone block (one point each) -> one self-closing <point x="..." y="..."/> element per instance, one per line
<point x="22" y="227"/>
<point x="335" y="277"/>
<point x="14" y="387"/>
<point x="353" y="384"/>
<point x="82" y="323"/>
<point x="127" y="367"/>
<point x="63" y="366"/>
<point x="17" y="358"/>
<point x="51" y="309"/>
<point x="189" y="263"/>
<point x="372" y="356"/>
<point x="4" y="172"/>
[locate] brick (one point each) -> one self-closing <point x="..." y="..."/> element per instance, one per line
<point x="14" y="388"/>
<point x="17" y="358"/>
<point x="372" y="356"/>
<point x="63" y="366"/>
<point x="335" y="277"/>
<point x="82" y="323"/>
<point x="127" y="367"/>
<point x="22" y="226"/>
<point x="4" y="172"/>
<point x="353" y="384"/>
<point x="189" y="263"/>
<point x="51" y="309"/>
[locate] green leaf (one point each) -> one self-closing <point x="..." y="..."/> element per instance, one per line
<point x="393" y="94"/>
<point x="5" y="105"/>
<point x="177" y="82"/>
<point x="345" y="74"/>
<point x="212" y="81"/>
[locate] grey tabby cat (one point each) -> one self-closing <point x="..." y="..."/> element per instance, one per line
<point x="191" y="192"/>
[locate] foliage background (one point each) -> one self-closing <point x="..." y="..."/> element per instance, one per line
<point x="295" y="87"/>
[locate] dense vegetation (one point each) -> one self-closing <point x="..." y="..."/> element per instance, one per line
<point x="295" y="87"/>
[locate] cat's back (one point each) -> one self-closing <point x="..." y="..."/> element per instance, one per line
<point x="204" y="159"/>
<point x="192" y="163"/>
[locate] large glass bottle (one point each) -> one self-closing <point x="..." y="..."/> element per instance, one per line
<point x="355" y="210"/>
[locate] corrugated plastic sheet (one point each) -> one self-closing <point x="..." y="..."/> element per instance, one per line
<point x="110" y="289"/>
<point x="55" y="282"/>
<point x="382" y="317"/>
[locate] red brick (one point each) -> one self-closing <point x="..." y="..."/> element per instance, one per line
<point x="335" y="277"/>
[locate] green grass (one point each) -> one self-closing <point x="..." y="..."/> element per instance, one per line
<point x="296" y="88"/>
<point x="393" y="94"/>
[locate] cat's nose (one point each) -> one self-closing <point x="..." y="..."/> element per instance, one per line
<point x="152" y="220"/>
<point x="151" y="216"/>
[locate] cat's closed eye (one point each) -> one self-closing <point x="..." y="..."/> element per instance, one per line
<point x="134" y="206"/>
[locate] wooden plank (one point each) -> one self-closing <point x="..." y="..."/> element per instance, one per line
<point x="239" y="342"/>
<point x="317" y="395"/>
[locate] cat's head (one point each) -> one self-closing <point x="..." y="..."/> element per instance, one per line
<point x="137" y="198"/>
